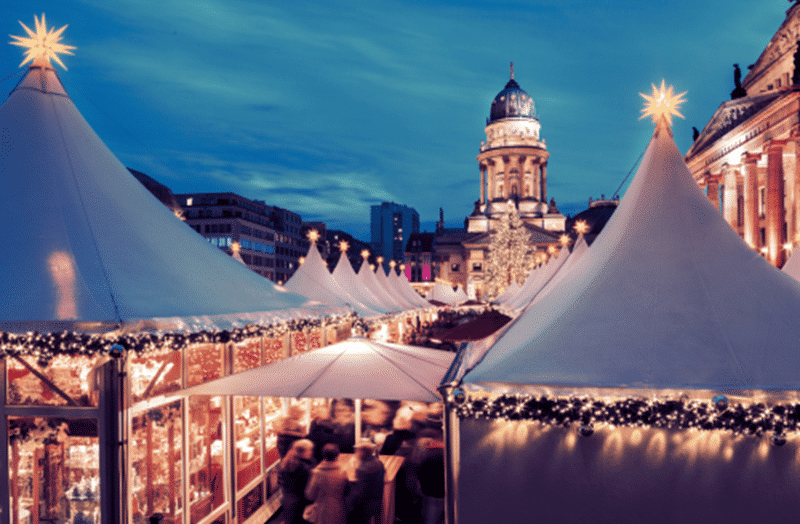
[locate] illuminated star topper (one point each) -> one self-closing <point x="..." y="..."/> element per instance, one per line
<point x="564" y="240"/>
<point x="313" y="235"/>
<point x="581" y="227"/>
<point x="42" y="45"/>
<point x="663" y="103"/>
<point x="365" y="254"/>
<point x="343" y="246"/>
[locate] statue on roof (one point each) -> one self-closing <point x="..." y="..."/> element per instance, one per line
<point x="552" y="207"/>
<point x="796" y="74"/>
<point x="695" y="133"/>
<point x="738" y="90"/>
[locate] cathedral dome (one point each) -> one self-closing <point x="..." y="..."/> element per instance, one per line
<point x="512" y="102"/>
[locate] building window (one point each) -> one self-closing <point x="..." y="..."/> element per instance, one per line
<point x="762" y="201"/>
<point x="455" y="268"/>
<point x="477" y="266"/>
<point x="740" y="211"/>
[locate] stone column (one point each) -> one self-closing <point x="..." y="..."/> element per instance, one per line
<point x="750" y="175"/>
<point x="535" y="178"/>
<point x="712" y="187"/>
<point x="731" y="197"/>
<point x="792" y="179"/>
<point x="500" y="167"/>
<point x="543" y="183"/>
<point x="776" y="211"/>
<point x="483" y="183"/>
<point x="490" y="182"/>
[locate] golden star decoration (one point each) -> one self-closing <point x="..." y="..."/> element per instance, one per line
<point x="581" y="227"/>
<point x="365" y="254"/>
<point x="343" y="246"/>
<point x="664" y="103"/>
<point x="313" y="235"/>
<point x="42" y="45"/>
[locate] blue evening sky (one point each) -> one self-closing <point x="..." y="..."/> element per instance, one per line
<point x="328" y="107"/>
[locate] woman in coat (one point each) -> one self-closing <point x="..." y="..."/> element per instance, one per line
<point x="293" y="477"/>
<point x="327" y="488"/>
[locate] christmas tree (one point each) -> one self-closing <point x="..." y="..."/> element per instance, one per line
<point x="509" y="253"/>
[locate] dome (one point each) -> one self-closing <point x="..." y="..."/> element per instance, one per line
<point x="512" y="102"/>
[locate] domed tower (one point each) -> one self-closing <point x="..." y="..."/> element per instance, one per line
<point x="513" y="163"/>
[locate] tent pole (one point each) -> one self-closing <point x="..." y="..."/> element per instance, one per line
<point x="451" y="453"/>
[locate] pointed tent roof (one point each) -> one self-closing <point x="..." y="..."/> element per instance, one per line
<point x="670" y="298"/>
<point x="368" y="278"/>
<point x="404" y="286"/>
<point x="509" y="293"/>
<point x="389" y="283"/>
<point x="313" y="280"/>
<point x="86" y="243"/>
<point x="535" y="282"/>
<point x="347" y="279"/>
<point x="442" y="293"/>
<point x="792" y="266"/>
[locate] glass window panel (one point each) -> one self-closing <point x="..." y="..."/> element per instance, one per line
<point x="247" y="438"/>
<point x="246" y="354"/>
<point x="66" y="380"/>
<point x="155" y="374"/>
<point x="203" y="363"/>
<point x="155" y="476"/>
<point x="250" y="503"/>
<point x="273" y="411"/>
<point x="54" y="470"/>
<point x="206" y="461"/>
<point x="315" y="338"/>
<point x="273" y="349"/>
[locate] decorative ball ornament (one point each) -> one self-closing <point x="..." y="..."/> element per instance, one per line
<point x="586" y="430"/>
<point x="459" y="396"/>
<point x="720" y="402"/>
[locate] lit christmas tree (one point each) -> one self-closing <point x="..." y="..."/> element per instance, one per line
<point x="509" y="253"/>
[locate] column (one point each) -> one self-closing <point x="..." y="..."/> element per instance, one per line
<point x="490" y="182"/>
<point x="712" y="186"/>
<point x="483" y="183"/>
<point x="731" y="196"/>
<point x="792" y="179"/>
<point x="543" y="183"/>
<point x="776" y="211"/>
<point x="500" y="167"/>
<point x="750" y="175"/>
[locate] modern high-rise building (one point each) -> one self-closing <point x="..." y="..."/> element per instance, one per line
<point x="391" y="225"/>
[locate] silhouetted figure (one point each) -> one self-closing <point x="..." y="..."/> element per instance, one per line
<point x="695" y="134"/>
<point x="365" y="497"/>
<point x="796" y="74"/>
<point x="738" y="90"/>
<point x="552" y="208"/>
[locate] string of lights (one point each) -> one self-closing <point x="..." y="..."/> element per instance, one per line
<point x="755" y="419"/>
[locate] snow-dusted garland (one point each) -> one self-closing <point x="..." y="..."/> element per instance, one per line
<point x="754" y="419"/>
<point x="45" y="346"/>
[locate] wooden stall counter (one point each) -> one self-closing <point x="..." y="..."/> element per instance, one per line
<point x="392" y="464"/>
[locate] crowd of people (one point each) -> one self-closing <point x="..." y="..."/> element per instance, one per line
<point x="313" y="480"/>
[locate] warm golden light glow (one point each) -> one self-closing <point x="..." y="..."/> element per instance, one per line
<point x="365" y="254"/>
<point x="392" y="264"/>
<point x="551" y="249"/>
<point x="301" y="260"/>
<point x="380" y="260"/>
<point x="664" y="103"/>
<point x="565" y="240"/>
<point x="581" y="227"/>
<point x="343" y="246"/>
<point x="236" y="247"/>
<point x="313" y="235"/>
<point x="62" y="270"/>
<point x="402" y="267"/>
<point x="42" y="45"/>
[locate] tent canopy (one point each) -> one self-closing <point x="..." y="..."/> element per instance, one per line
<point x="670" y="297"/>
<point x="355" y="368"/>
<point x="87" y="243"/>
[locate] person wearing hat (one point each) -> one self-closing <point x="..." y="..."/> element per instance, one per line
<point x="366" y="496"/>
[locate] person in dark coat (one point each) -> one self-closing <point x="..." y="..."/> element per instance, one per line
<point x="328" y="488"/>
<point x="295" y="471"/>
<point x="431" y="479"/>
<point x="366" y="496"/>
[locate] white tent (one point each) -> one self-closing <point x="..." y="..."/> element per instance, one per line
<point x="792" y="266"/>
<point x="86" y="243"/>
<point x="356" y="368"/>
<point x="669" y="302"/>
<point x="347" y="279"/>
<point x="460" y="295"/>
<point x="536" y="281"/>
<point x="404" y="287"/>
<point x="313" y="280"/>
<point x="388" y="283"/>
<point x="509" y="293"/>
<point x="370" y="280"/>
<point x="442" y="293"/>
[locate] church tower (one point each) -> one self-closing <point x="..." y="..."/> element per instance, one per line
<point x="513" y="164"/>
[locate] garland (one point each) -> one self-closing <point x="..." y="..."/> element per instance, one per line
<point x="45" y="346"/>
<point x="755" y="419"/>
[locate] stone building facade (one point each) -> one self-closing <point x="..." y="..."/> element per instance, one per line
<point x="746" y="157"/>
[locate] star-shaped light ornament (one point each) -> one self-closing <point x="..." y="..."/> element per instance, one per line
<point x="365" y="254"/>
<point x="42" y="45"/>
<point x="313" y="235"/>
<point x="581" y="227"/>
<point x="343" y="246"/>
<point x="662" y="105"/>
